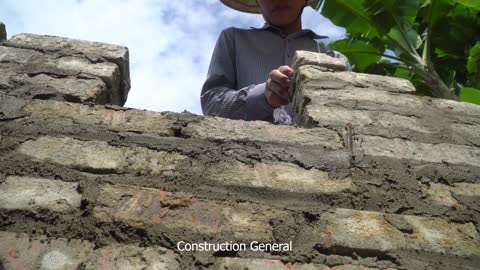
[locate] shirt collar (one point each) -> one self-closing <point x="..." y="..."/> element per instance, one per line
<point x="308" y="32"/>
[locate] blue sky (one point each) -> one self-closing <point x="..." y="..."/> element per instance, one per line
<point x="170" y="42"/>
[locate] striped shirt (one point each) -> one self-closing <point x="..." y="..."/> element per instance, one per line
<point x="241" y="63"/>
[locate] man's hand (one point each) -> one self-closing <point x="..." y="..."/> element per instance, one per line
<point x="276" y="90"/>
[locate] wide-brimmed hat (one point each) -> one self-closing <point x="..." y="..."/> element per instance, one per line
<point x="250" y="6"/>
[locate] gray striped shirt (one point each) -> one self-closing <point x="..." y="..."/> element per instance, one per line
<point x="241" y="63"/>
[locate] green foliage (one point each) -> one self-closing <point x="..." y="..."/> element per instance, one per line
<point x="471" y="95"/>
<point x="361" y="53"/>
<point x="435" y="43"/>
<point x="473" y="66"/>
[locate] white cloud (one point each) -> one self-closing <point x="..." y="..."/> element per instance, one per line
<point x="170" y="42"/>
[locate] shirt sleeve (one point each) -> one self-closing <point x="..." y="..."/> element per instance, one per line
<point x="219" y="96"/>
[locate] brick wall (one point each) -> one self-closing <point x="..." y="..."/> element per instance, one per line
<point x="371" y="176"/>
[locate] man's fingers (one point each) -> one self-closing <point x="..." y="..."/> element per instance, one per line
<point x="280" y="78"/>
<point x="281" y="91"/>
<point x="277" y="86"/>
<point x="288" y="71"/>
<point x="275" y="100"/>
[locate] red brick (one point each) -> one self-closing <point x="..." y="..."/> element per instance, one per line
<point x="263" y="264"/>
<point x="64" y="113"/>
<point x="119" y="257"/>
<point x="19" y="251"/>
<point x="99" y="155"/>
<point x="144" y="207"/>
<point x="375" y="231"/>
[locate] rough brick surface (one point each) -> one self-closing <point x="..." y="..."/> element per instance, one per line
<point x="450" y="195"/>
<point x="16" y="55"/>
<point x="35" y="193"/>
<point x="93" y="51"/>
<point x="59" y="113"/>
<point x="10" y="107"/>
<point x="379" y="123"/>
<point x="269" y="264"/>
<point x="403" y="149"/>
<point x="303" y="58"/>
<point x="83" y="90"/>
<point x="132" y="257"/>
<point x="37" y="66"/>
<point x="371" y="177"/>
<point x="460" y="108"/>
<point x="317" y="78"/>
<point x="265" y="264"/>
<point x="223" y="129"/>
<point x="79" y="67"/>
<point x="18" y="251"/>
<point x="365" y="231"/>
<point x="143" y="207"/>
<point x="376" y="105"/>
<point x="99" y="156"/>
<point x="281" y="176"/>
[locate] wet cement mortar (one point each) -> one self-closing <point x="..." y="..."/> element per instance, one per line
<point x="383" y="184"/>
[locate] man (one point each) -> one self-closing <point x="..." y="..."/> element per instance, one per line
<point x="249" y="73"/>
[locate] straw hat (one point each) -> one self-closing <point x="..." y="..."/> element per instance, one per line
<point x="250" y="6"/>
